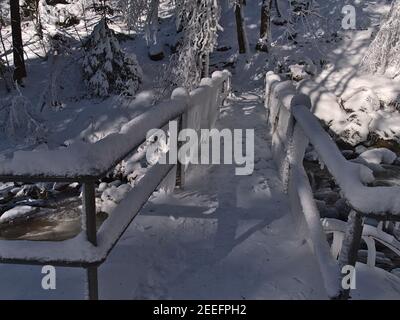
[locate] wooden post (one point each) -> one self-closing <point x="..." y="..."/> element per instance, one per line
<point x="89" y="207"/>
<point x="180" y="95"/>
<point x="351" y="244"/>
<point x="180" y="169"/>
<point x="92" y="283"/>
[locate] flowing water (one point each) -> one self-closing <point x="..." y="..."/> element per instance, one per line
<point x="390" y="176"/>
<point x="49" y="224"/>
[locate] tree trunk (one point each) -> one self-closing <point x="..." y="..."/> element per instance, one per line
<point x="263" y="42"/>
<point x="278" y="11"/>
<point x="18" y="48"/>
<point x="38" y="18"/>
<point x="156" y="51"/>
<point x="205" y="70"/>
<point x="152" y="20"/>
<point x="5" y="73"/>
<point x="241" y="33"/>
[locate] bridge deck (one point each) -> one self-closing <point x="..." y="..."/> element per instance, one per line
<point x="223" y="236"/>
<point x="226" y="236"/>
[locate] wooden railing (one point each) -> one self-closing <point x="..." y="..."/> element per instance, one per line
<point x="197" y="110"/>
<point x="293" y="127"/>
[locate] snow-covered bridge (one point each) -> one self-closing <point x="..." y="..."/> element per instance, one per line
<point x="221" y="236"/>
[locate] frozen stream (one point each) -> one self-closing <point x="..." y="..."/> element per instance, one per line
<point x="60" y="222"/>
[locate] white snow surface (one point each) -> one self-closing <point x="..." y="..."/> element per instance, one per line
<point x="83" y="158"/>
<point x="16" y="212"/>
<point x="223" y="236"/>
<point x="197" y="243"/>
<point x="349" y="176"/>
<point x="378" y="156"/>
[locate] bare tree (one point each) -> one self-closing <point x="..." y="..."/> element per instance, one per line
<point x="18" y="48"/>
<point x="4" y="69"/>
<point x="152" y="21"/>
<point x="155" y="46"/>
<point x="240" y="26"/>
<point x="199" y="23"/>
<point x="265" y="26"/>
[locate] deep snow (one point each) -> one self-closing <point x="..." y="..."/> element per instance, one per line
<point x="223" y="236"/>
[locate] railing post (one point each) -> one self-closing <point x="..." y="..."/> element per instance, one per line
<point x="92" y="283"/>
<point x="89" y="207"/>
<point x="181" y="95"/>
<point x="351" y="244"/>
<point x="180" y="169"/>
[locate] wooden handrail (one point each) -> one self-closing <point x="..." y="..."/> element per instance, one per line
<point x="98" y="244"/>
<point x="293" y="126"/>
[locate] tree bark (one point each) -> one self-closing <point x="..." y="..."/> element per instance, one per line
<point x="18" y="48"/>
<point x="152" y="20"/>
<point x="278" y="11"/>
<point x="263" y="42"/>
<point x="205" y="70"/>
<point x="241" y="32"/>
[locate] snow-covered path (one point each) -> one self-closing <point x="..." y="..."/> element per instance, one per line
<point x="224" y="236"/>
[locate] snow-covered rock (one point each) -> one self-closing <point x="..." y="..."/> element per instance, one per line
<point x="156" y="52"/>
<point x="102" y="186"/>
<point x="378" y="156"/>
<point x="17" y="212"/>
<point x="363" y="101"/>
<point x="116" y="194"/>
<point x="360" y="149"/>
<point x="356" y="129"/>
<point x="298" y="72"/>
<point x="386" y="124"/>
<point x="324" y="103"/>
<point x="364" y="106"/>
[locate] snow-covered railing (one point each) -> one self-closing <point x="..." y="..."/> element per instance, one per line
<point x="87" y="163"/>
<point x="370" y="235"/>
<point x="293" y="127"/>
